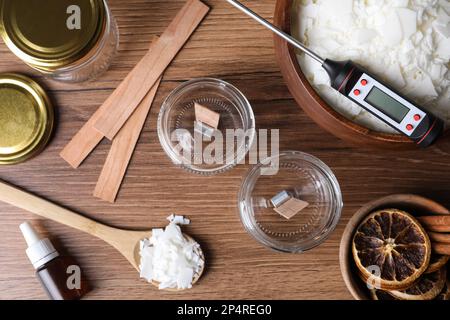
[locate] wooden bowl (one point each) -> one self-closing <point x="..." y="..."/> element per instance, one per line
<point x="412" y="204"/>
<point x="314" y="106"/>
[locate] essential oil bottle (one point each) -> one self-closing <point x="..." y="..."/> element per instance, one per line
<point x="60" y="277"/>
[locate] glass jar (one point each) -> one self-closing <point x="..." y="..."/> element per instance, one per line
<point x="66" y="42"/>
<point x="188" y="149"/>
<point x="300" y="176"/>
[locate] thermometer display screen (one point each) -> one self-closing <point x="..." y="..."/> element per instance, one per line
<point x="387" y="104"/>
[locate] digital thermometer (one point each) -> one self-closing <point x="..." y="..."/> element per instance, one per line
<point x="368" y="92"/>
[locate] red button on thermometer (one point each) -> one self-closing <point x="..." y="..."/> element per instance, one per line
<point x="371" y="94"/>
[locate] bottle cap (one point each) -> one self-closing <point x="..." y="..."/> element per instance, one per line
<point x="26" y="118"/>
<point x="40" y="250"/>
<point x="44" y="35"/>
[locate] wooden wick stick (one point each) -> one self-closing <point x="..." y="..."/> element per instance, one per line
<point x="206" y="116"/>
<point x="288" y="206"/>
<point x="125" y="99"/>
<point x="86" y="139"/>
<point x="122" y="149"/>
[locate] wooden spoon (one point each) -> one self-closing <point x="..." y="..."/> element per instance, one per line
<point x="125" y="241"/>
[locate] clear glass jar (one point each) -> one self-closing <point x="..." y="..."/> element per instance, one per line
<point x="98" y="60"/>
<point x="82" y="48"/>
<point x="300" y="176"/>
<point x="178" y="133"/>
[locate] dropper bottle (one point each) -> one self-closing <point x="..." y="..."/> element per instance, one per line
<point x="60" y="279"/>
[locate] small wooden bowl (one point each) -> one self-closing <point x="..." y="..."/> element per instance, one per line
<point x="314" y="106"/>
<point x="412" y="204"/>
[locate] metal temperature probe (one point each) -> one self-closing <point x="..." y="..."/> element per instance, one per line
<point x="368" y="92"/>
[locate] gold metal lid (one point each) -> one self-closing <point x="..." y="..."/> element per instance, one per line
<point x="26" y="118"/>
<point x="45" y="34"/>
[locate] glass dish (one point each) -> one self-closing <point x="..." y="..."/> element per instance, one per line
<point x="304" y="177"/>
<point x="177" y="126"/>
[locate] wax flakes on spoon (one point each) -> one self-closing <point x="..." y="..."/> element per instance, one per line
<point x="169" y="258"/>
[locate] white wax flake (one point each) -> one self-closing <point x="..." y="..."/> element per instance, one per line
<point x="400" y="3"/>
<point x="391" y="30"/>
<point x="305" y="24"/>
<point x="170" y="259"/>
<point x="365" y="35"/>
<point x="443" y="50"/>
<point x="157" y="232"/>
<point x="336" y="8"/>
<point x="178" y="219"/>
<point x="443" y="30"/>
<point x="443" y="18"/>
<point x="311" y="10"/>
<point x="408" y="21"/>
<point x="394" y="76"/>
<point x="422" y="86"/>
<point x="404" y="42"/>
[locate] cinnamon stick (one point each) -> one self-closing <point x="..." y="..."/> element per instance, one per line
<point x="436" y="223"/>
<point x="441" y="248"/>
<point x="439" y="237"/>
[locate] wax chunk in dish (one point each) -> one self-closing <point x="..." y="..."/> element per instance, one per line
<point x="169" y="258"/>
<point x="404" y="42"/>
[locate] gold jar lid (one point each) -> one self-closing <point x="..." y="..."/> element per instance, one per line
<point x="26" y="118"/>
<point x="51" y="34"/>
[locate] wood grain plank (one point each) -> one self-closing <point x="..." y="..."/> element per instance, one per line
<point x="231" y="47"/>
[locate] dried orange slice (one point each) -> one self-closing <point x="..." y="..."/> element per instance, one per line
<point x="393" y="243"/>
<point x="428" y="287"/>
<point x="380" y="295"/>
<point x="445" y="293"/>
<point x="437" y="261"/>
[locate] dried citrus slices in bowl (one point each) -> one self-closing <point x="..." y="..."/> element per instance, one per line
<point x="389" y="254"/>
<point x="437" y="261"/>
<point x="391" y="249"/>
<point x="445" y="293"/>
<point x="428" y="287"/>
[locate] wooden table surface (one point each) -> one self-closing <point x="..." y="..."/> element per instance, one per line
<point x="227" y="46"/>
